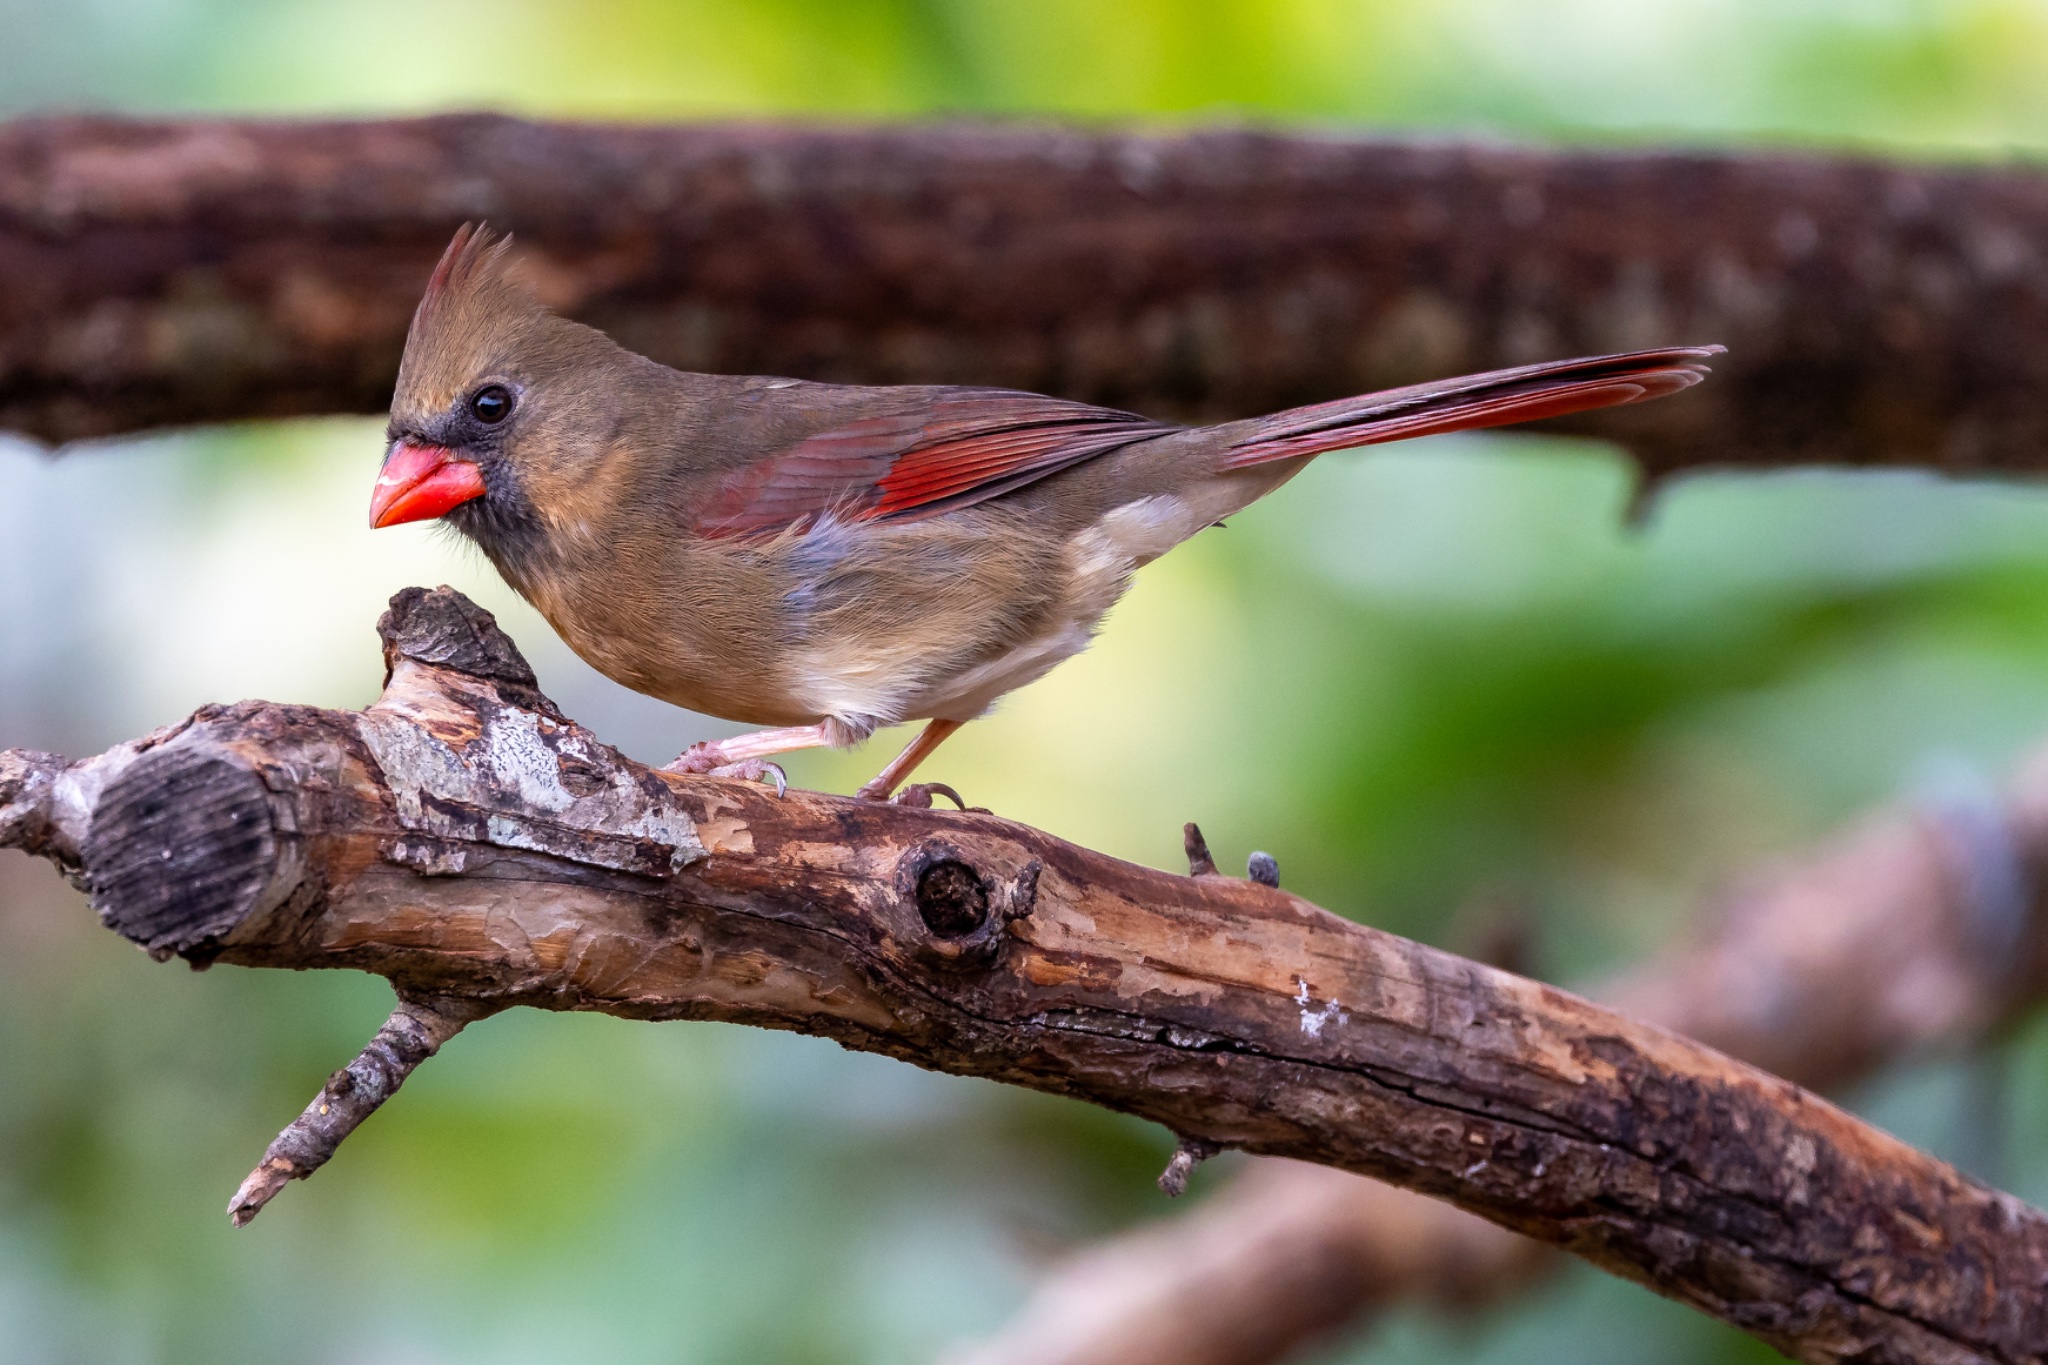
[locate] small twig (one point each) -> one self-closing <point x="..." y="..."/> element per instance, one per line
<point x="1200" y="864"/>
<point x="1187" y="1154"/>
<point x="415" y="1031"/>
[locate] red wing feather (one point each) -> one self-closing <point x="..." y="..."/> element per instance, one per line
<point x="965" y="447"/>
<point x="1472" y="401"/>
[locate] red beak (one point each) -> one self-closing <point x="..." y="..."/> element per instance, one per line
<point x="421" y="482"/>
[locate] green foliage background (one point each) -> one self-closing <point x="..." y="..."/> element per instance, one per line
<point x="1435" y="681"/>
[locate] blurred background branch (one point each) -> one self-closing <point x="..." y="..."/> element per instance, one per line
<point x="157" y="273"/>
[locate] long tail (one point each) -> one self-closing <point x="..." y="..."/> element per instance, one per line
<point x="1470" y="402"/>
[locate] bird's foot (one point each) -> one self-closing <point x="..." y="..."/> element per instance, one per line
<point x="708" y="757"/>
<point x="917" y="795"/>
<point x="701" y="757"/>
<point x="755" y="770"/>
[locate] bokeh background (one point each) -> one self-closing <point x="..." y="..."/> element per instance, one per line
<point x="1441" y="682"/>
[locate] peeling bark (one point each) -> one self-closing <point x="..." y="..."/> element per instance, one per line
<point x="467" y="841"/>
<point x="154" y="273"/>
<point x="1921" y="928"/>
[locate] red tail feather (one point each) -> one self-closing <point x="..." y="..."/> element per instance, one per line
<point x="1471" y="402"/>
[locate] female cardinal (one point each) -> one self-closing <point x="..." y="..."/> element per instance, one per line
<point x="829" y="559"/>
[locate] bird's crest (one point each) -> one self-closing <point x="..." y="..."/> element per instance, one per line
<point x="470" y="320"/>
<point x="475" y="255"/>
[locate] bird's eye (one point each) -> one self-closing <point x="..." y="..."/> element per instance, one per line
<point x="490" y="405"/>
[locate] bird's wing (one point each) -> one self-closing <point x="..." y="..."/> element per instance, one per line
<point x="957" y="447"/>
<point x="1469" y="402"/>
<point x="952" y="449"/>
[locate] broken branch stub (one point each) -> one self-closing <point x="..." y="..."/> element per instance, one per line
<point x="466" y="841"/>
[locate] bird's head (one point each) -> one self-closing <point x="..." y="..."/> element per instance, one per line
<point x="494" y="404"/>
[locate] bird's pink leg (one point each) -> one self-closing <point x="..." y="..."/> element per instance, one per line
<point x="742" y="755"/>
<point x="901" y="766"/>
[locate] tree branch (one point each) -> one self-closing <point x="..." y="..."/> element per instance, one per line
<point x="465" y="840"/>
<point x="414" y="1032"/>
<point x="168" y="272"/>
<point x="1922" y="927"/>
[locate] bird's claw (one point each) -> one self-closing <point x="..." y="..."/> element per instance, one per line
<point x="707" y="758"/>
<point x="755" y="770"/>
<point x="918" y="796"/>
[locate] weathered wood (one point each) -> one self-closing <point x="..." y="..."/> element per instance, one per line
<point x="180" y="850"/>
<point x="191" y="271"/>
<point x="470" y="847"/>
<point x="34" y="814"/>
<point x="1921" y="929"/>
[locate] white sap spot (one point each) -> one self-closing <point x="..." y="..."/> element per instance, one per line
<point x="1801" y="1155"/>
<point x="1313" y="1019"/>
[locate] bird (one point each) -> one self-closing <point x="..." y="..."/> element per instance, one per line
<point x="826" y="560"/>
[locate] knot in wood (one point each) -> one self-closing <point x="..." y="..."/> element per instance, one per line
<point x="953" y="909"/>
<point x="951" y="899"/>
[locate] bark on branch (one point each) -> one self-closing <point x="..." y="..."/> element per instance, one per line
<point x="1923" y="927"/>
<point x="168" y="272"/>
<point x="467" y="841"/>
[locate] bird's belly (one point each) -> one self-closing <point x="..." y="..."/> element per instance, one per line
<point x="932" y="620"/>
<point x="968" y="693"/>
<point x="868" y="679"/>
<point x="1098" y="565"/>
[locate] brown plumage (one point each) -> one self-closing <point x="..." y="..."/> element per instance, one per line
<point x="831" y="559"/>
